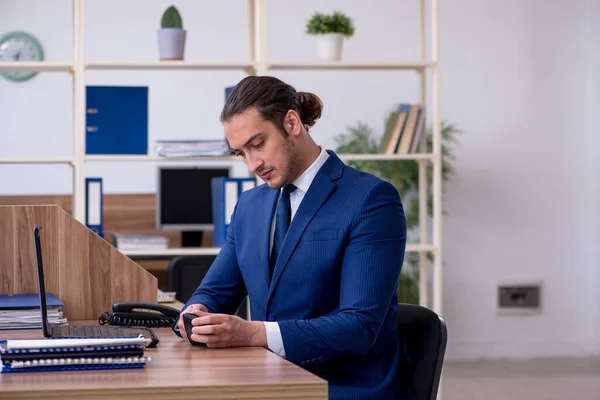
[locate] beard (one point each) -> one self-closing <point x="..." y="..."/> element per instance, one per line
<point x="292" y="161"/>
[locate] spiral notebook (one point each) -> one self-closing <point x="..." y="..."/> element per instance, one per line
<point x="40" y="355"/>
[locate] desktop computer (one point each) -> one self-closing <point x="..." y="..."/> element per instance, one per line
<point x="184" y="201"/>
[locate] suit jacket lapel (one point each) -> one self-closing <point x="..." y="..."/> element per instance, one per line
<point x="267" y="210"/>
<point x="313" y="199"/>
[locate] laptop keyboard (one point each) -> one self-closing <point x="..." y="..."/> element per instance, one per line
<point x="92" y="330"/>
<point x="85" y="331"/>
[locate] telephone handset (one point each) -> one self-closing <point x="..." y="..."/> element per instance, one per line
<point x="127" y="314"/>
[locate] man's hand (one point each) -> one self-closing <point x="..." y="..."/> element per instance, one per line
<point x="193" y="308"/>
<point x="222" y="330"/>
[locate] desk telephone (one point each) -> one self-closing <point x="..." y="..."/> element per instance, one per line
<point x="125" y="314"/>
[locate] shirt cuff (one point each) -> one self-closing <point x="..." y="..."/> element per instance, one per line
<point x="274" y="339"/>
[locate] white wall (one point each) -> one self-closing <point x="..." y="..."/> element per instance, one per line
<point x="516" y="77"/>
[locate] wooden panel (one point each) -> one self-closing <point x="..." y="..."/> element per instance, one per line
<point x="177" y="370"/>
<point x="8" y="252"/>
<point x="84" y="271"/>
<point x="123" y="213"/>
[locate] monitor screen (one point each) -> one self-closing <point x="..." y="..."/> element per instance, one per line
<point x="184" y="199"/>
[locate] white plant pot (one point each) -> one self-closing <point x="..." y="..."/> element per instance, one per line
<point x="329" y="46"/>
<point x="171" y="43"/>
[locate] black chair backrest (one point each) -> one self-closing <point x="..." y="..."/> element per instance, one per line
<point x="423" y="336"/>
<point x="185" y="273"/>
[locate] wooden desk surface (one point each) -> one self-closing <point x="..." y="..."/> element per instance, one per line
<point x="177" y="370"/>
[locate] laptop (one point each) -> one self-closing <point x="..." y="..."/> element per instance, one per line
<point x="72" y="331"/>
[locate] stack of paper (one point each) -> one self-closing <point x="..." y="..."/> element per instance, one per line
<point x="124" y="241"/>
<point x="35" y="355"/>
<point x="192" y="148"/>
<point x="166" y="297"/>
<point x="22" y="311"/>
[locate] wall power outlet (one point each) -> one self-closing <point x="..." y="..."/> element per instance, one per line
<point x="520" y="298"/>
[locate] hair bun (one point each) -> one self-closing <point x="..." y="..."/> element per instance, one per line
<point x="311" y="107"/>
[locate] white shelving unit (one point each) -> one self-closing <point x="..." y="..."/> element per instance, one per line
<point x="258" y="64"/>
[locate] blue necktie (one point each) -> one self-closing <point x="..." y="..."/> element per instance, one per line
<point x="282" y="222"/>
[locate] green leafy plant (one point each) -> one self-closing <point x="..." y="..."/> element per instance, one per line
<point x="320" y="24"/>
<point x="404" y="175"/>
<point x="171" y="19"/>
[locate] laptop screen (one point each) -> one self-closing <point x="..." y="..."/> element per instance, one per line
<point x="40" y="273"/>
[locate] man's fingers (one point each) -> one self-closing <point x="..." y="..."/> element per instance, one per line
<point x="181" y="327"/>
<point x="209" y="340"/>
<point x="198" y="312"/>
<point x="206" y="330"/>
<point x="208" y="319"/>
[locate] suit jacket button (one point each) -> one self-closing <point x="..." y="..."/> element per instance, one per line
<point x="270" y="317"/>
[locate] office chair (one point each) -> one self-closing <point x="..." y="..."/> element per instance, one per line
<point x="423" y="336"/>
<point x="185" y="273"/>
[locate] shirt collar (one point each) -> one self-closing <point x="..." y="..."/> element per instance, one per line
<point x="303" y="182"/>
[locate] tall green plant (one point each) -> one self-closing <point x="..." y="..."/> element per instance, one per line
<point x="404" y="175"/>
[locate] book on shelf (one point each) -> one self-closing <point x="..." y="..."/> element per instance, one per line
<point x="65" y="354"/>
<point x="403" y="130"/>
<point x="22" y="311"/>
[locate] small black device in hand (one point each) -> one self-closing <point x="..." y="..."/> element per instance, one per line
<point x="187" y="322"/>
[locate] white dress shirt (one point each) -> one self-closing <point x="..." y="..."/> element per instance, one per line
<point x="274" y="339"/>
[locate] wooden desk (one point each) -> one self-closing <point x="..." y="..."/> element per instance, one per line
<point x="177" y="370"/>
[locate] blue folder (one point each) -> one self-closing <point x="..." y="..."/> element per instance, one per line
<point x="223" y="202"/>
<point x="27" y="301"/>
<point x="116" y="120"/>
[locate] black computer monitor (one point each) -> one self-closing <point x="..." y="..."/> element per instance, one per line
<point x="184" y="200"/>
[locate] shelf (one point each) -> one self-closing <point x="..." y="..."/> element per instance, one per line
<point x="158" y="158"/>
<point x="48" y="160"/>
<point x="34" y="66"/>
<point x="186" y="65"/>
<point x="348" y="157"/>
<point x="47" y="66"/>
<point x="212" y="251"/>
<point x="140" y="158"/>
<point x="183" y="251"/>
<point x="417" y="248"/>
<point x="347" y="65"/>
<point x="375" y="157"/>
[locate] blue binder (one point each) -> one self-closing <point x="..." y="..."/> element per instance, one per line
<point x="25" y="301"/>
<point x="225" y="193"/>
<point x="228" y="91"/>
<point x="94" y="205"/>
<point x="116" y="120"/>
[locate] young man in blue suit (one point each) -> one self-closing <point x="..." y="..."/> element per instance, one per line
<point x="318" y="249"/>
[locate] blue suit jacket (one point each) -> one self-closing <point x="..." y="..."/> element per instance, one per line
<point x="333" y="290"/>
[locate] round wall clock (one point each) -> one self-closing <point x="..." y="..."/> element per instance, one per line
<point x="19" y="46"/>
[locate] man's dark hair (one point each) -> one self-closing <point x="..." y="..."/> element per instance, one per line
<point x="272" y="98"/>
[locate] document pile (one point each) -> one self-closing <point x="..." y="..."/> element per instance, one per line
<point x="127" y="241"/>
<point x="22" y="311"/>
<point x="40" y="355"/>
<point x="192" y="148"/>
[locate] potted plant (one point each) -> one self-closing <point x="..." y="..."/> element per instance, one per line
<point x="330" y="31"/>
<point x="404" y="175"/>
<point x="171" y="35"/>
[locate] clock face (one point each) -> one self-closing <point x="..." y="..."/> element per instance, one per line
<point x="19" y="47"/>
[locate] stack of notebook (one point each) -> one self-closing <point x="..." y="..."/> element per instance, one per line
<point x="35" y="355"/>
